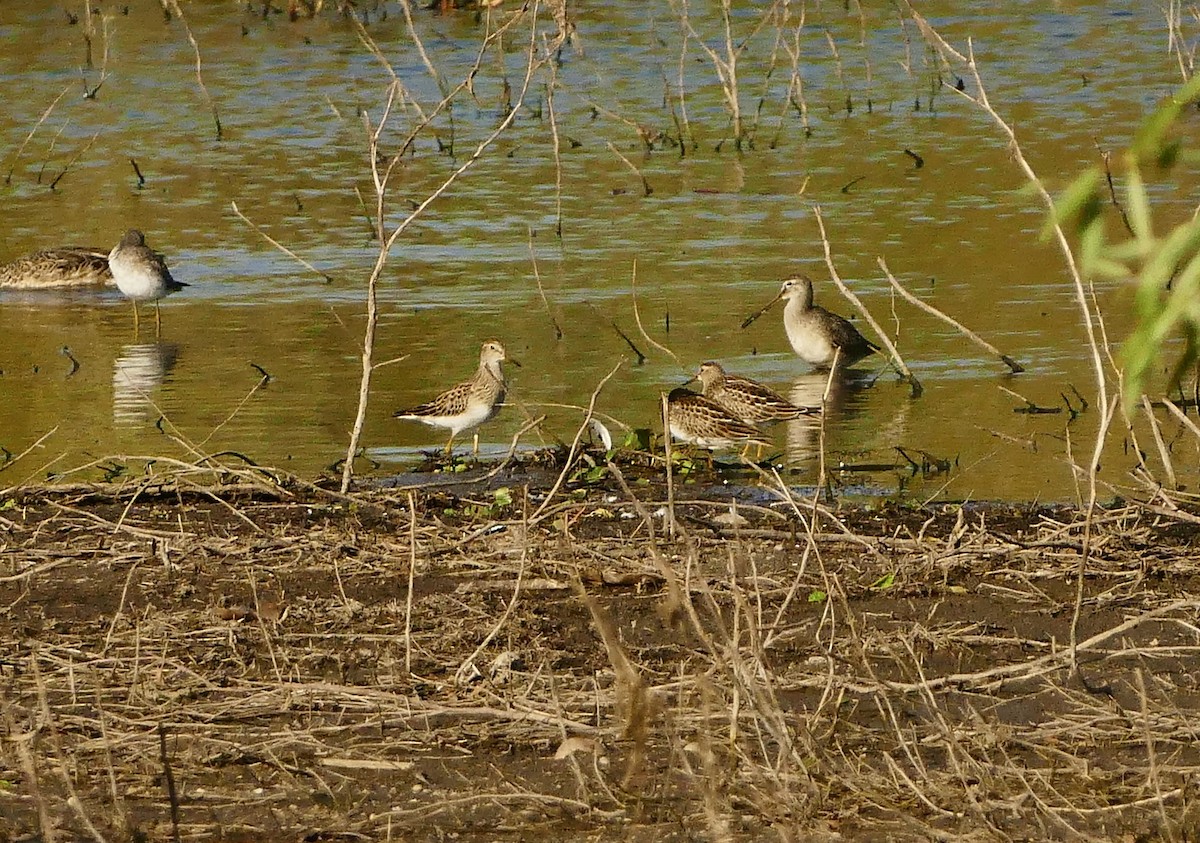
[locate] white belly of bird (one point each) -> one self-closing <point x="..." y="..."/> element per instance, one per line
<point x="471" y="417"/>
<point x="812" y="347"/>
<point x="136" y="281"/>
<point x="701" y="441"/>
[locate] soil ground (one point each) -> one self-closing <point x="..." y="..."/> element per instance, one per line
<point x="497" y="658"/>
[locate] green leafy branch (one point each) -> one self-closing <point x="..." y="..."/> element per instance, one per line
<point x="1165" y="268"/>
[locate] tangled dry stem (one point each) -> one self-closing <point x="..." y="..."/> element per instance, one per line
<point x="302" y="664"/>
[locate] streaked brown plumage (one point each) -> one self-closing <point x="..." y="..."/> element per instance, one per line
<point x="66" y="266"/>
<point x="700" y="421"/>
<point x="468" y="404"/>
<point x="747" y="399"/>
<point x="817" y="335"/>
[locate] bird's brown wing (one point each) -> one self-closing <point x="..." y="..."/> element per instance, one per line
<point x="843" y="334"/>
<point x="761" y="403"/>
<point x="710" y="419"/>
<point x="452" y="402"/>
<point x="160" y="266"/>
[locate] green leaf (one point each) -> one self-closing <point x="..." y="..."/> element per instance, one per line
<point x="883" y="583"/>
<point x="1149" y="142"/>
<point x="1137" y="204"/>
<point x="1079" y="204"/>
<point x="639" y="439"/>
<point x="502" y="496"/>
<point x="596" y="473"/>
<point x="817" y="596"/>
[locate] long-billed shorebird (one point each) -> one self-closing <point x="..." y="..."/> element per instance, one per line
<point x="747" y="399"/>
<point x="818" y="336"/>
<point x="469" y="404"/>
<point x="703" y="422"/>
<point x="65" y="266"/>
<point x="141" y="274"/>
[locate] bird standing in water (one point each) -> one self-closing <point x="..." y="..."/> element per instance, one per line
<point x="141" y="274"/>
<point x="747" y="399"/>
<point x="818" y="336"/>
<point x="706" y="424"/>
<point x="469" y="404"/>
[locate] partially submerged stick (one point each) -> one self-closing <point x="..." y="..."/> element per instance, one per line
<point x="278" y="245"/>
<point x="933" y="311"/>
<point x="917" y="389"/>
<point x="638" y="317"/>
<point x="32" y="132"/>
<point x="646" y="188"/>
<point x="537" y="276"/>
<point x="212" y="104"/>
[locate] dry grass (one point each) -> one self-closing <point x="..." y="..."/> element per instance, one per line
<point x="800" y="674"/>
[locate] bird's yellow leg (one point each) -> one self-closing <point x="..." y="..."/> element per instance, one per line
<point x="475" y="446"/>
<point x="157" y="322"/>
<point x="135" y="320"/>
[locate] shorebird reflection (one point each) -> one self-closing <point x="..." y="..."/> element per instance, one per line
<point x="138" y="372"/>
<point x="803" y="433"/>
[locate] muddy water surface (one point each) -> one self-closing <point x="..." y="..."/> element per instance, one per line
<point x="710" y="243"/>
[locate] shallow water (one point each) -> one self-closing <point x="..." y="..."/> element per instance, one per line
<point x="709" y="244"/>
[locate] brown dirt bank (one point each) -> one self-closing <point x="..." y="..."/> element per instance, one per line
<point x="247" y="661"/>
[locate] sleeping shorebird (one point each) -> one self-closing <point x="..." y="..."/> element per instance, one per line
<point x="141" y="274"/>
<point x="65" y="266"/>
<point x="818" y="336"/>
<point x="469" y="404"/>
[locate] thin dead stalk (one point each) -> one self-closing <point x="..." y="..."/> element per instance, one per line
<point x="412" y="568"/>
<point x="37" y="444"/>
<point x="79" y="154"/>
<point x="464" y="673"/>
<point x="1164" y="453"/>
<point x="32" y="132"/>
<point x="386" y="244"/>
<point x="537" y="277"/>
<point x="646" y="188"/>
<point x="328" y="278"/>
<point x="22" y="741"/>
<point x="963" y="329"/>
<point x="638" y="317"/>
<point x="570" y="460"/>
<point x="169" y="779"/>
<point x="915" y="384"/>
<point x="1087" y="315"/>
<point x="558" y="172"/>
<point x="212" y="105"/>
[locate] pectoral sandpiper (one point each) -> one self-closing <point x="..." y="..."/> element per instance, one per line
<point x="141" y="274"/>
<point x="703" y="422"/>
<point x="66" y="266"/>
<point x="747" y="399"/>
<point x="818" y="336"/>
<point x="469" y="404"/>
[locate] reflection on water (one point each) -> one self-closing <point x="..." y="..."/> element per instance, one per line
<point x="138" y="372"/>
<point x="803" y="433"/>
